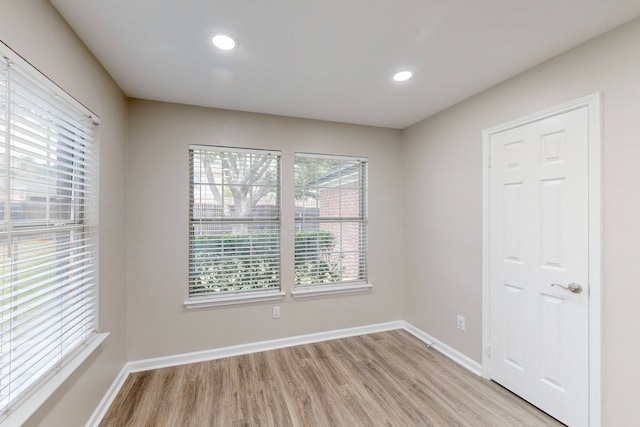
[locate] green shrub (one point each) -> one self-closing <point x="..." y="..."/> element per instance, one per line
<point x="248" y="261"/>
<point x="313" y="258"/>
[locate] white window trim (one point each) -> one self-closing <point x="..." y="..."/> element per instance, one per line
<point x="224" y="149"/>
<point x="330" y="156"/>
<point x="233" y="298"/>
<point x="338" y="288"/>
<point x="33" y="402"/>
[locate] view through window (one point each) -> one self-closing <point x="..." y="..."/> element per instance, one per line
<point x="234" y="221"/>
<point x="48" y="232"/>
<point x="331" y="220"/>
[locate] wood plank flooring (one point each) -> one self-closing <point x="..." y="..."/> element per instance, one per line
<point x="384" y="379"/>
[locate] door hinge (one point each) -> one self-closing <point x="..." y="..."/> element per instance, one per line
<point x="489" y="162"/>
<point x="489" y="350"/>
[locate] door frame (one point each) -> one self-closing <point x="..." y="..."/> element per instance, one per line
<point x="593" y="105"/>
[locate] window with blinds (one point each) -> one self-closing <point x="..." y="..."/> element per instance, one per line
<point x="330" y="220"/>
<point x="48" y="231"/>
<point x="234" y="221"/>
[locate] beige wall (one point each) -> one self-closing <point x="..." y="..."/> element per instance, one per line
<point x="443" y="207"/>
<point x="157" y="228"/>
<point x="34" y="29"/>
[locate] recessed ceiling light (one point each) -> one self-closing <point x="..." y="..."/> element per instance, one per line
<point x="402" y="76"/>
<point x="223" y="41"/>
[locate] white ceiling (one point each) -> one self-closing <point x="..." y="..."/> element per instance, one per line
<point x="331" y="59"/>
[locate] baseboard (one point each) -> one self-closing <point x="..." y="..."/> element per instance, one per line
<point x="451" y="353"/>
<point x="238" y="350"/>
<point x="108" y="398"/>
<point x="219" y="353"/>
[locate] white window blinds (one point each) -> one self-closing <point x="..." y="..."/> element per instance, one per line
<point x="234" y="221"/>
<point x="48" y="232"/>
<point x="331" y="220"/>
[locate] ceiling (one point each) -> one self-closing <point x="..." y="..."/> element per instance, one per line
<point x="331" y="59"/>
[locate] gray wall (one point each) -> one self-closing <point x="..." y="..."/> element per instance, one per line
<point x="34" y="29"/>
<point x="443" y="176"/>
<point x="157" y="239"/>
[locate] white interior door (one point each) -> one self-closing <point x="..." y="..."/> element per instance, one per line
<point x="538" y="244"/>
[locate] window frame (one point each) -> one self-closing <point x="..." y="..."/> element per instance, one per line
<point x="19" y="408"/>
<point x="362" y="282"/>
<point x="232" y="297"/>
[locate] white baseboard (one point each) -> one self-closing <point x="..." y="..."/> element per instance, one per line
<point x="451" y="353"/>
<point x="108" y="398"/>
<point x="237" y="350"/>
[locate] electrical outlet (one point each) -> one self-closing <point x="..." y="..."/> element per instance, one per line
<point x="461" y="325"/>
<point x="275" y="313"/>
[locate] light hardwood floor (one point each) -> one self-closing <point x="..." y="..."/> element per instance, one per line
<point x="384" y="379"/>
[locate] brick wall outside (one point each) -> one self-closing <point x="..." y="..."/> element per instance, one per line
<point x="343" y="202"/>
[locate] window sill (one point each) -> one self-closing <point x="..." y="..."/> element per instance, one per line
<point x="317" y="290"/>
<point x="233" y="299"/>
<point x="28" y="407"/>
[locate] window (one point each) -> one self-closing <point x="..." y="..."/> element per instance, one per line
<point x="331" y="220"/>
<point x="48" y="232"/>
<point x="234" y="222"/>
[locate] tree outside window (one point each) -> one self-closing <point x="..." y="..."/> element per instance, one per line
<point x="234" y="220"/>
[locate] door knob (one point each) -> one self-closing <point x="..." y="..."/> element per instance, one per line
<point x="573" y="287"/>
